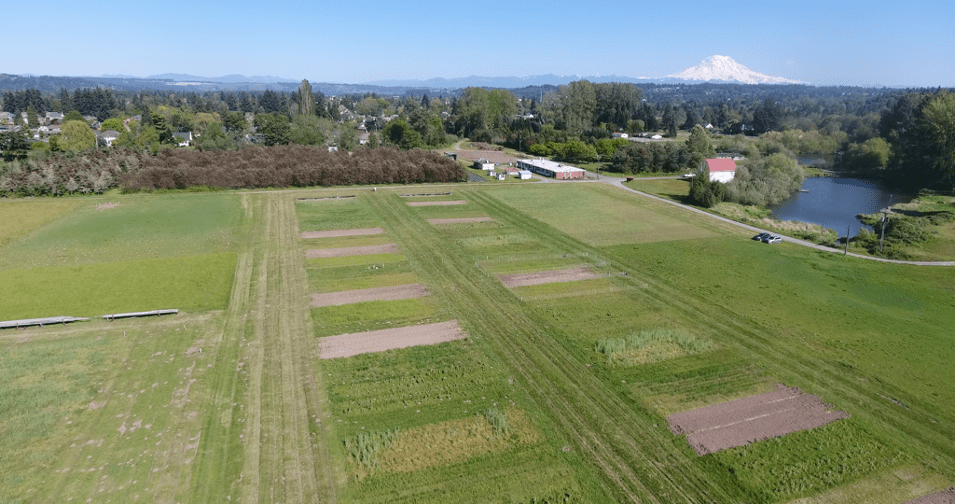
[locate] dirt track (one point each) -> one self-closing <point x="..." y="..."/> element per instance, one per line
<point x="460" y="221"/>
<point x="751" y="419"/>
<point x="941" y="497"/>
<point x="374" y="294"/>
<point x="337" y="233"/>
<point x="388" y="248"/>
<point x="544" y="277"/>
<point x="437" y="203"/>
<point x="347" y="345"/>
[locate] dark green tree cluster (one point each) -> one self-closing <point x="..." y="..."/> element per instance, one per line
<point x="919" y="129"/>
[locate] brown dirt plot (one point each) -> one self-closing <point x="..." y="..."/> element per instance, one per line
<point x="460" y="220"/>
<point x="347" y="345"/>
<point x="388" y="248"/>
<point x="374" y="294"/>
<point x="751" y="419"/>
<point x="492" y="156"/>
<point x="543" y="277"/>
<point x="338" y="233"/>
<point x="437" y="203"/>
<point x="942" y="497"/>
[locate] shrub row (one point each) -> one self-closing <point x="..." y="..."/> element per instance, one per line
<point x="258" y="167"/>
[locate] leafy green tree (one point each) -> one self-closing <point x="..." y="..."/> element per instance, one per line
<point x="14" y="145"/>
<point x="73" y="115"/>
<point x="699" y="146"/>
<point x="275" y="129"/>
<point x="702" y="190"/>
<point x="32" y="120"/>
<point x="768" y="116"/>
<point x="214" y="138"/>
<point x="306" y="100"/>
<point x="307" y="130"/>
<point x="873" y="154"/>
<point x="235" y="122"/>
<point x="76" y="136"/>
<point x="114" y="124"/>
<point x="163" y="129"/>
<point x="348" y="137"/>
<point x="578" y="105"/>
<point x="397" y="133"/>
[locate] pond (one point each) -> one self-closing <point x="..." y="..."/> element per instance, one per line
<point x="835" y="202"/>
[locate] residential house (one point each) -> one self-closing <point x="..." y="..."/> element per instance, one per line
<point x="721" y="170"/>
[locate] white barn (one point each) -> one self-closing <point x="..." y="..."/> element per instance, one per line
<point x="721" y="170"/>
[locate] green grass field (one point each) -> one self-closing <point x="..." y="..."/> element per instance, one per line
<point x="559" y="393"/>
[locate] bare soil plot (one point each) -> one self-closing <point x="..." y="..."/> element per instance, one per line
<point x="751" y="419"/>
<point x="460" y="220"/>
<point x="942" y="497"/>
<point x="496" y="157"/>
<point x="388" y="248"/>
<point x="546" y="277"/>
<point x="392" y="293"/>
<point x="338" y="233"/>
<point x="347" y="345"/>
<point x="437" y="203"/>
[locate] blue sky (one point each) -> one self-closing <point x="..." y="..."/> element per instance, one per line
<point x="822" y="42"/>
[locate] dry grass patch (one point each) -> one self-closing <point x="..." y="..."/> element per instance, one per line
<point x="338" y="233"/>
<point x="391" y="293"/>
<point x="439" y="444"/>
<point x="462" y="220"/>
<point x="546" y="277"/>
<point x="437" y="203"/>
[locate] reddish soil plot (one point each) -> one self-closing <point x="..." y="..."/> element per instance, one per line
<point x="544" y="277"/>
<point x="941" y="497"/>
<point x="388" y="248"/>
<point x="374" y="294"/>
<point x="338" y="233"/>
<point x="347" y="345"/>
<point x="492" y="156"/>
<point x="437" y="203"/>
<point x="460" y="220"/>
<point x="751" y="419"/>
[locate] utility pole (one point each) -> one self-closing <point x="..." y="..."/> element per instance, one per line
<point x="847" y="246"/>
<point x="883" y="220"/>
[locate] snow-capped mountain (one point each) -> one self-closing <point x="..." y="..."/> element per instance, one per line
<point x="725" y="69"/>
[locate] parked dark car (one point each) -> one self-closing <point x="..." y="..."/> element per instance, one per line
<point x="761" y="236"/>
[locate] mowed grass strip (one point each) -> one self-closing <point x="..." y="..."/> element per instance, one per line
<point x="22" y="216"/>
<point x="193" y="284"/>
<point x="343" y="242"/>
<point x="140" y="227"/>
<point x="603" y="215"/>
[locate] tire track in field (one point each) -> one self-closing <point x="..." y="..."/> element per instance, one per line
<point x="635" y="466"/>
<point x="786" y="361"/>
<point x="293" y="465"/>
<point x="213" y="480"/>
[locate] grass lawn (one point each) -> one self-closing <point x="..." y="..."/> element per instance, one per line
<point x="21" y="216"/>
<point x="140" y="227"/>
<point x="192" y="283"/>
<point x="674" y="189"/>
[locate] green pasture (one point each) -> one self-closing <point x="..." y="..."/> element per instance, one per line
<point x="192" y="284"/>
<point x="140" y="227"/>
<point x="103" y="409"/>
<point x="22" y="216"/>
<point x="602" y="215"/>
